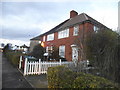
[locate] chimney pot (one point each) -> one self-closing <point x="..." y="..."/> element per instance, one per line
<point x="73" y="14"/>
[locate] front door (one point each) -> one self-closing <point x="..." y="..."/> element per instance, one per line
<point x="74" y="54"/>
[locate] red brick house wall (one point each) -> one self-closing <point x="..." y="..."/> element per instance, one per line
<point x="68" y="41"/>
<point x="86" y="25"/>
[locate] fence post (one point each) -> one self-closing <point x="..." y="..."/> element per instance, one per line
<point x="39" y="66"/>
<point x="25" y="66"/>
<point x="20" y="62"/>
<point x="60" y="62"/>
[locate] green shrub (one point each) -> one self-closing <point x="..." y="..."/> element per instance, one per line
<point x="90" y="81"/>
<point x="14" y="57"/>
<point x="62" y="77"/>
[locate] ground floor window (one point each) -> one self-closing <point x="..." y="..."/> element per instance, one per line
<point x="62" y="51"/>
<point x="49" y="49"/>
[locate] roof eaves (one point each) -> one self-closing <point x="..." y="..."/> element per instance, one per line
<point x="95" y="21"/>
<point x="55" y="29"/>
<point x="36" y="38"/>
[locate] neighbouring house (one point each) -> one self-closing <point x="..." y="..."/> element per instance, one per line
<point x="2" y="45"/>
<point x="15" y="48"/>
<point x="63" y="35"/>
<point x="24" y="48"/>
<point x="34" y="41"/>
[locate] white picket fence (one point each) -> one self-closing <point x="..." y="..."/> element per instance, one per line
<point x="38" y="67"/>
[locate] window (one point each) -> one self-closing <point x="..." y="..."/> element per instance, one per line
<point x="76" y="30"/>
<point x="39" y="41"/>
<point x="50" y="37"/>
<point x="62" y="51"/>
<point x="96" y="28"/>
<point x="63" y="33"/>
<point x="49" y="49"/>
<point x="43" y="38"/>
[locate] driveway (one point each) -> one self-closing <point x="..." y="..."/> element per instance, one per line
<point x="11" y="77"/>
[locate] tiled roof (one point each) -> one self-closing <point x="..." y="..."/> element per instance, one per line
<point x="49" y="32"/>
<point x="70" y="22"/>
<point x="80" y="19"/>
<point x="36" y="38"/>
<point x="56" y="28"/>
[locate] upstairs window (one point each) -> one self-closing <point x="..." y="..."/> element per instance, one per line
<point x="62" y="51"/>
<point x="95" y="28"/>
<point x="50" y="37"/>
<point x="63" y="33"/>
<point x="76" y="30"/>
<point x="43" y="38"/>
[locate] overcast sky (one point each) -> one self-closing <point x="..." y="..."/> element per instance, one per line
<point x="22" y="21"/>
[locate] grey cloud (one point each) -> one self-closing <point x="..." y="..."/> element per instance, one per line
<point x="19" y="34"/>
<point x="36" y="13"/>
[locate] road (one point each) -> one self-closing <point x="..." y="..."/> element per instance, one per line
<point x="11" y="77"/>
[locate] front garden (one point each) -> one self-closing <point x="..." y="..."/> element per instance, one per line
<point x="63" y="77"/>
<point x="102" y="51"/>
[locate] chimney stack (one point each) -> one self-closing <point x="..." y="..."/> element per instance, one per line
<point x="73" y="14"/>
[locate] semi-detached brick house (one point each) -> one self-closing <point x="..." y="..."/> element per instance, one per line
<point x="64" y="34"/>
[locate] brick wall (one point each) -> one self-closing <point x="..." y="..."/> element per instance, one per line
<point x="69" y="40"/>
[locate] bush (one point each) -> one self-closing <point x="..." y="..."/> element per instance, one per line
<point x="90" y="81"/>
<point x="62" y="77"/>
<point x="14" y="57"/>
<point x="38" y="51"/>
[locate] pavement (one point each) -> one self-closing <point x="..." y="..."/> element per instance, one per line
<point x="11" y="77"/>
<point x="37" y="81"/>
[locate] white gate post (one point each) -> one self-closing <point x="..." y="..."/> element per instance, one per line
<point x="60" y="62"/>
<point x="39" y="66"/>
<point x="20" y="62"/>
<point x="25" y="66"/>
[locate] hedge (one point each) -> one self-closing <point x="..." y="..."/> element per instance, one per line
<point x="14" y="57"/>
<point x="90" y="81"/>
<point x="62" y="77"/>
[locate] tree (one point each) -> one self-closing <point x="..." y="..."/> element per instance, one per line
<point x="55" y="53"/>
<point x="38" y="51"/>
<point x="103" y="52"/>
<point x="6" y="49"/>
<point x="80" y="43"/>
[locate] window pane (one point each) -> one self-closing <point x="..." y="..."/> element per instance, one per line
<point x="76" y="30"/>
<point x="62" y="51"/>
<point x="47" y="49"/>
<point x="44" y="39"/>
<point x="50" y="37"/>
<point x="96" y="28"/>
<point x="63" y="34"/>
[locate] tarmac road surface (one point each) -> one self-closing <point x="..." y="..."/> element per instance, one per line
<point x="11" y="77"/>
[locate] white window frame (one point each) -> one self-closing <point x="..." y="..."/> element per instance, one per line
<point x="50" y="37"/>
<point x="62" y="51"/>
<point x="95" y="28"/>
<point x="43" y="38"/>
<point x="63" y="34"/>
<point x="76" y="30"/>
<point x="49" y="48"/>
